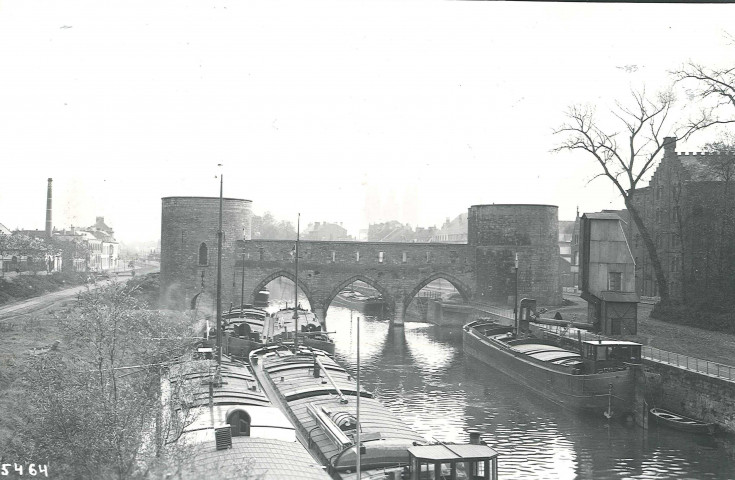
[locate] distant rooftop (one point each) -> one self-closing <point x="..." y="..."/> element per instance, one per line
<point x="603" y="216"/>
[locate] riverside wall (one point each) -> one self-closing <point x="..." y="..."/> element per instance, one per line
<point x="697" y="395"/>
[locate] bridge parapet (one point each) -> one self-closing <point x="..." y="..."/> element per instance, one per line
<point x="397" y="270"/>
<point x="480" y="269"/>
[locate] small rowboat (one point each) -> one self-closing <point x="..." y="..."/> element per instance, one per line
<point x="680" y="422"/>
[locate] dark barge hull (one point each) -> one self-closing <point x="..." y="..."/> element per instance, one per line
<point x="587" y="393"/>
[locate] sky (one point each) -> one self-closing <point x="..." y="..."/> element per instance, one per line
<point x="353" y="112"/>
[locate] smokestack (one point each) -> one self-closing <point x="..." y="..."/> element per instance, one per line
<point x="48" y="209"/>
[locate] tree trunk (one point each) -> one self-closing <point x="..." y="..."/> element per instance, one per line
<point x="663" y="286"/>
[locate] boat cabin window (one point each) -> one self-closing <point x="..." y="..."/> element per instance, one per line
<point x="452" y="464"/>
<point x="619" y="353"/>
<point x="470" y="470"/>
<point x="239" y="422"/>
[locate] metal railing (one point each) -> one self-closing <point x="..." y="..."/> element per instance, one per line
<point x="689" y="363"/>
<point x="692" y="364"/>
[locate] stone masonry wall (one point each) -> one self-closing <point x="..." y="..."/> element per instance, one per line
<point x="699" y="396"/>
<point x="325" y="268"/>
<point x="186" y="223"/>
<point x="397" y="270"/>
<point x="501" y="231"/>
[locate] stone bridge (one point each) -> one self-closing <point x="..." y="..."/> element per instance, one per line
<point x="397" y="270"/>
<point x="481" y="268"/>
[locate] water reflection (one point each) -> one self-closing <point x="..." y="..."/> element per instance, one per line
<point x="420" y="372"/>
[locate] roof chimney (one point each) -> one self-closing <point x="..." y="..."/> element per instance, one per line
<point x="48" y="209"/>
<point x="669" y="144"/>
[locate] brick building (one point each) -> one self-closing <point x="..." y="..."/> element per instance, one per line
<point x="394" y="231"/>
<point x="453" y="231"/>
<point x="100" y="251"/>
<point x="688" y="208"/>
<point x="568" y="276"/>
<point x="325" y="231"/>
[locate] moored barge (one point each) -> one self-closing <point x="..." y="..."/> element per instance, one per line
<point x="598" y="378"/>
<point x="310" y="331"/>
<point x="231" y="428"/>
<point x="320" y="398"/>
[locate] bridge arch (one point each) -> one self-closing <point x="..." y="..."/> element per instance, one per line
<point x="463" y="289"/>
<point x="290" y="275"/>
<point x="362" y="278"/>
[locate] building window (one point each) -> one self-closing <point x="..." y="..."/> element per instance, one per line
<point x="675" y="261"/>
<point x="203" y="254"/>
<point x="405" y="257"/>
<point x="428" y="257"/>
<point x="380" y="257"/>
<point x="334" y="256"/>
<point x="615" y="281"/>
<point x="357" y="256"/>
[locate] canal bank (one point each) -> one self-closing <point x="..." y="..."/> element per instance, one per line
<point x="689" y="385"/>
<point x="421" y="372"/>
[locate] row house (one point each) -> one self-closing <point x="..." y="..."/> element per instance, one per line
<point x="98" y="251"/>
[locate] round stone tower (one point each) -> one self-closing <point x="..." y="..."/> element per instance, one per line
<point x="189" y="247"/>
<point x="499" y="232"/>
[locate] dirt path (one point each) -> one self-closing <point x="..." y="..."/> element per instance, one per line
<point x="41" y="302"/>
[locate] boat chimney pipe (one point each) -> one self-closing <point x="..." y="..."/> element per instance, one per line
<point x="317" y="369"/>
<point x="474" y="437"/>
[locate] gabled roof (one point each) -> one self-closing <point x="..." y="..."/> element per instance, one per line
<point x="4" y="229"/>
<point x="602" y="216"/>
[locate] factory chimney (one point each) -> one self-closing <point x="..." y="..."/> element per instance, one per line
<point x="48" y="209"/>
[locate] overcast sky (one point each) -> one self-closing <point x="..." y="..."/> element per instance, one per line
<point x="343" y="111"/>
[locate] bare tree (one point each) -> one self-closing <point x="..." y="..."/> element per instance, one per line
<point x="627" y="156"/>
<point x="714" y="91"/>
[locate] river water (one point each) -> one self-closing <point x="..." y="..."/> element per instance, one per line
<point x="420" y="372"/>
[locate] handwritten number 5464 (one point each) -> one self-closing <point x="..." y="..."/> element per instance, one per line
<point x="32" y="470"/>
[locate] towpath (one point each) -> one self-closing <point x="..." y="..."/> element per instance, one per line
<point x="42" y="301"/>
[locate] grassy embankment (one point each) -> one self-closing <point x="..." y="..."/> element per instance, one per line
<point x="44" y="333"/>
<point x="22" y="287"/>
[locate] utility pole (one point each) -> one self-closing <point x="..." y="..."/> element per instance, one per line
<point x="357" y="430"/>
<point x="219" y="277"/>
<point x="296" y="289"/>
<point x="242" y="285"/>
<point x="515" y="301"/>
